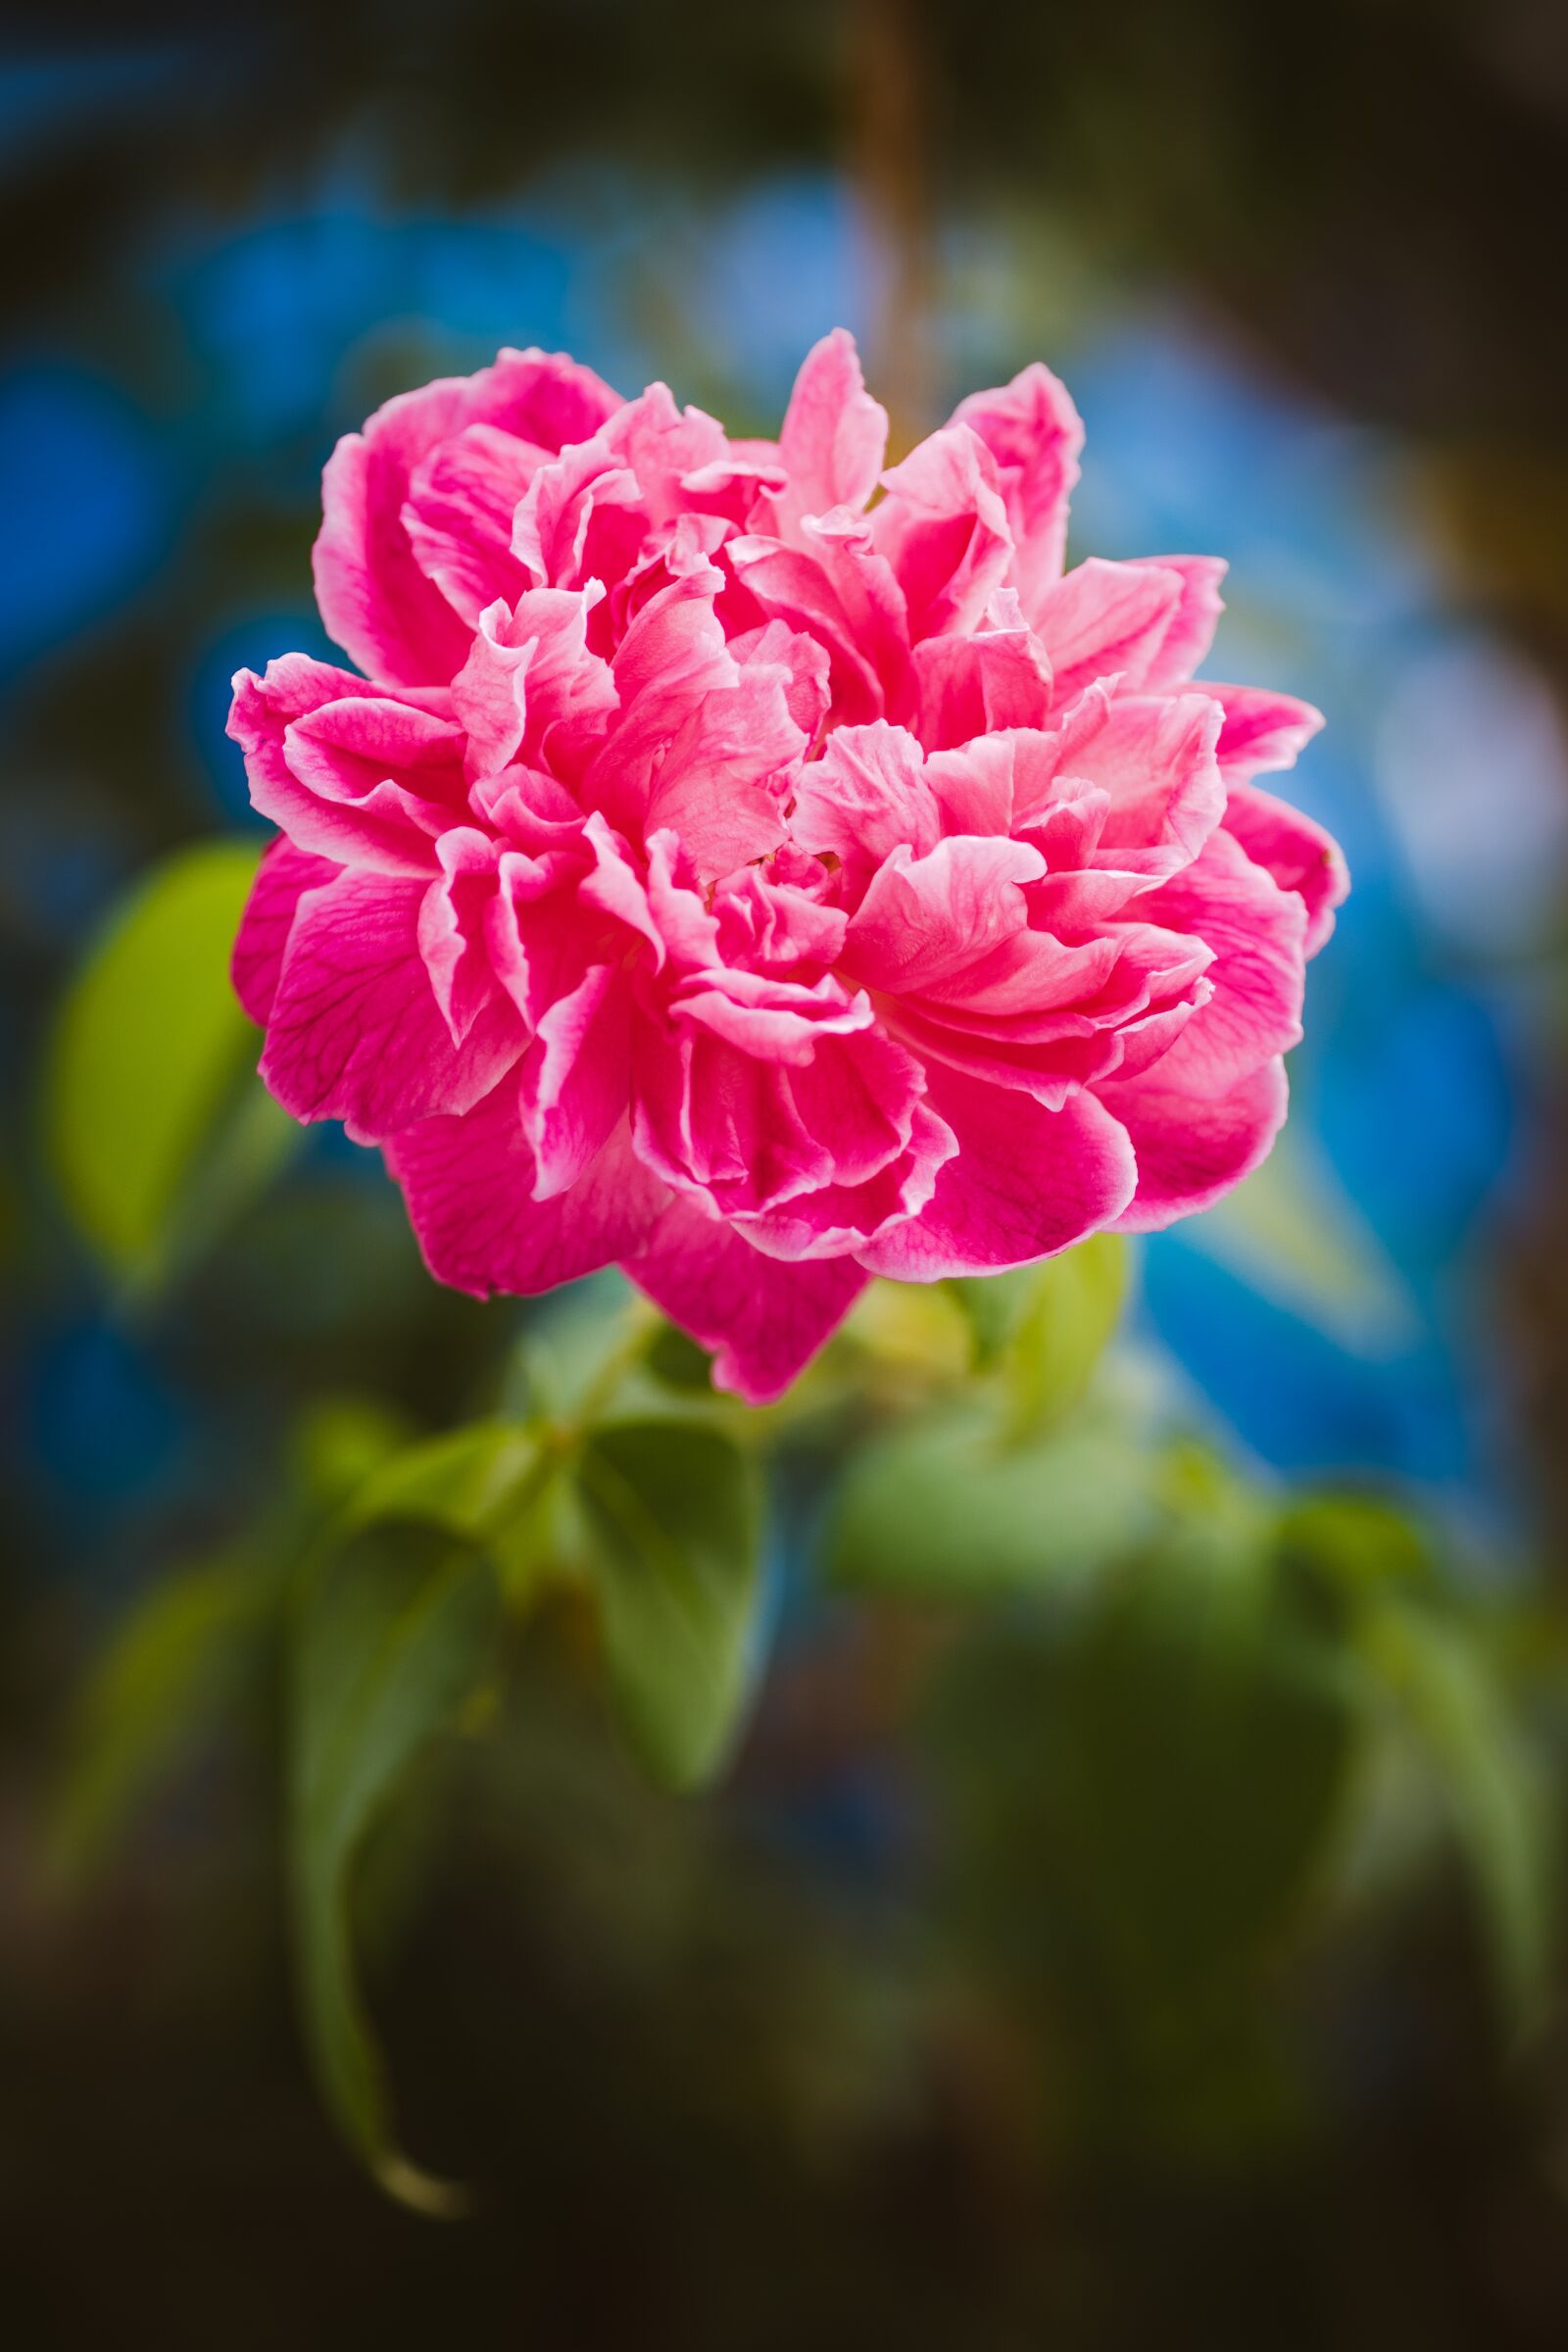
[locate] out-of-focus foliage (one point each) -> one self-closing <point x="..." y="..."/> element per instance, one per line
<point x="1152" y="1746"/>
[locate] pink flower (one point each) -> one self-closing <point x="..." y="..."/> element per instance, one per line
<point x="724" y="875"/>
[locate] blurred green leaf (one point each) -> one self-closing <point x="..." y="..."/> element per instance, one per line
<point x="1437" y="1670"/>
<point x="937" y="1508"/>
<point x="673" y="1512"/>
<point x="1074" y="1305"/>
<point x="1149" y="1778"/>
<point x="151" y="1040"/>
<point x="166" y="1676"/>
<point x="392" y="1635"/>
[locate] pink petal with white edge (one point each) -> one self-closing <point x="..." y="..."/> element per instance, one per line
<point x="1300" y="855"/>
<point x="469" y="1185"/>
<point x="356" y="1032"/>
<point x="1192" y="1148"/>
<point x="765" y="1319"/>
<point x="281" y="878"/>
<point x="834" y="435"/>
<point x="1034" y="434"/>
<point x="1026" y="1183"/>
<point x="375" y="601"/>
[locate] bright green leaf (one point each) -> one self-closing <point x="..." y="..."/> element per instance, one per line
<point x="673" y="1512"/>
<point x="392" y="1635"/>
<point x="150" y="1043"/>
<point x="937" y="1509"/>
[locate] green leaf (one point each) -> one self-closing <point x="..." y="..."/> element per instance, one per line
<point x="1151" y="1775"/>
<point x="163" y="1681"/>
<point x="392" y="1635"/>
<point x="1074" y="1305"/>
<point x="1438" y="1671"/>
<point x="150" y="1044"/>
<point x="675" y="1517"/>
<point x="937" y="1508"/>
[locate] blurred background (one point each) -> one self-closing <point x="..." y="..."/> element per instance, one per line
<point x="931" y="2025"/>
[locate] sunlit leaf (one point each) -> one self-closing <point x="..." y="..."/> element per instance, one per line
<point x="937" y="1507"/>
<point x="392" y="1635"/>
<point x="674" y="1518"/>
<point x="150" y="1043"/>
<point x="165" y="1678"/>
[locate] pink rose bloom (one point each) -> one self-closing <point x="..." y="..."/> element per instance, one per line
<point x="723" y="876"/>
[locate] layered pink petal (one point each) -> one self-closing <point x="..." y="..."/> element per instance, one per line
<point x="284" y="874"/>
<point x="356" y="1032"/>
<point x="942" y="529"/>
<point x="1300" y="855"/>
<point x="1034" y="435"/>
<point x="834" y="434"/>
<point x="468" y="1184"/>
<point x="1024" y="1183"/>
<point x="376" y="599"/>
<point x="1257" y="934"/>
<point x="765" y="1319"/>
<point x="1192" y="1148"/>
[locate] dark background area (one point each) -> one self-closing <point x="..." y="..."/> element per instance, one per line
<point x="831" y="2054"/>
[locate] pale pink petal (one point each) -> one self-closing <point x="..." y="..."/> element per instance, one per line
<point x="530" y="688"/>
<point x="458" y="516"/>
<point x="1034" y="434"/>
<point x="969" y="686"/>
<point x="1107" y="620"/>
<point x="834" y="434"/>
<point x="1192" y="1148"/>
<point x="469" y="1185"/>
<point x="1026" y="1182"/>
<point x="725" y="774"/>
<point x="765" y="1319"/>
<point x="1192" y="627"/>
<point x="284" y="874"/>
<point x="866" y="797"/>
<point x="1152" y="754"/>
<point x="1300" y="855"/>
<point x="356" y="1031"/>
<point x="943" y="529"/>
<point x="1263" y="731"/>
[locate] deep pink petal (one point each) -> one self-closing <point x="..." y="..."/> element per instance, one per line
<point x="576" y="1078"/>
<point x="284" y="874"/>
<point x="1026" y="1182"/>
<point x="356" y="1031"/>
<point x="469" y="1185"/>
<point x="375" y="599"/>
<point x="1192" y="1148"/>
<point x="969" y="686"/>
<point x="866" y="797"/>
<point x="765" y="1319"/>
<point x="348" y="773"/>
<point x="1257" y="933"/>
